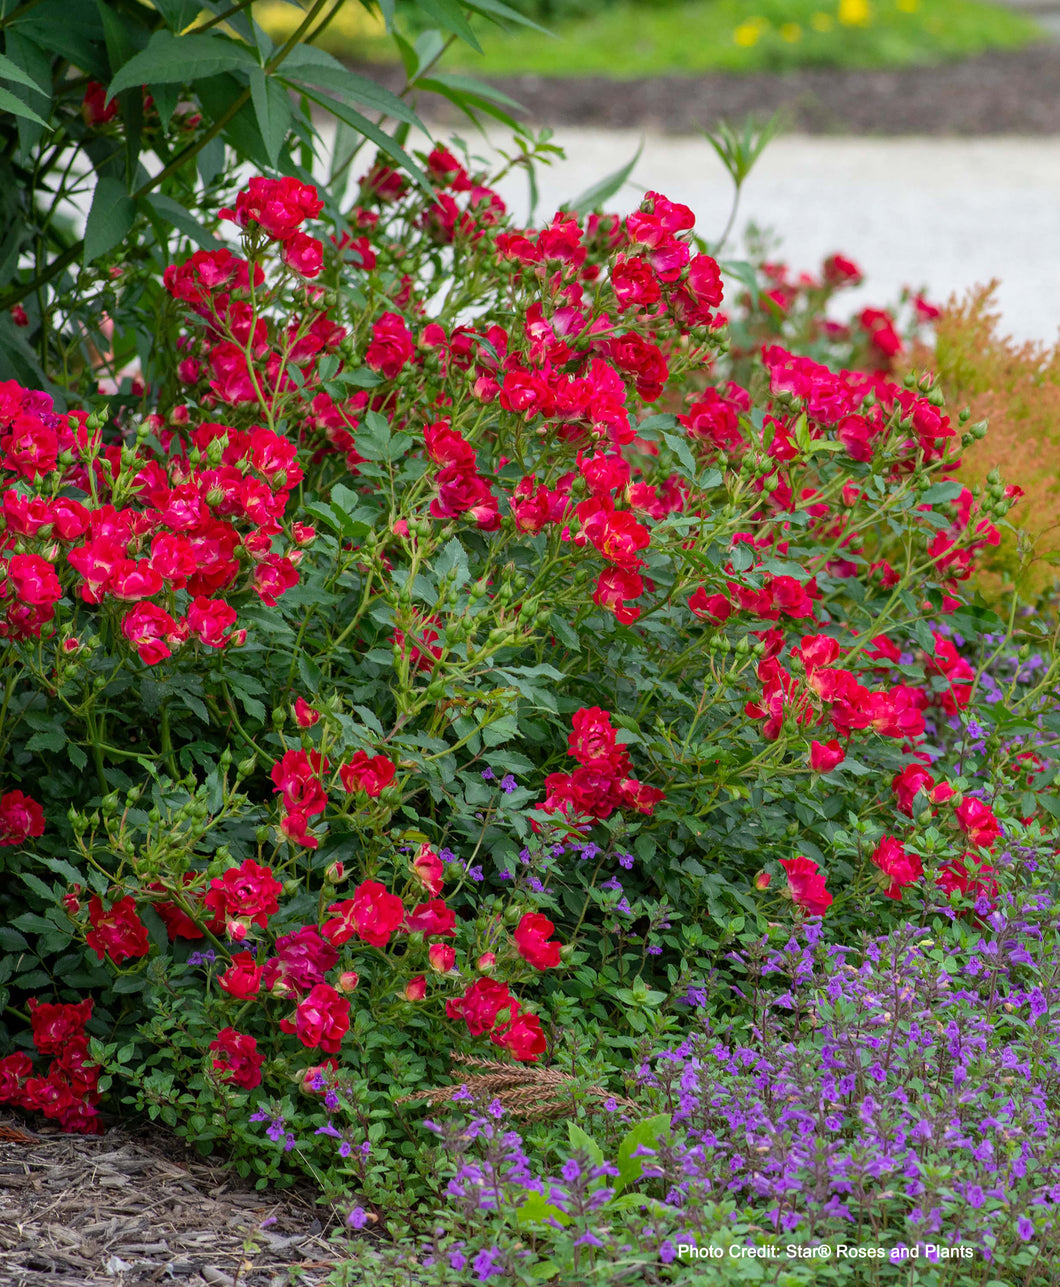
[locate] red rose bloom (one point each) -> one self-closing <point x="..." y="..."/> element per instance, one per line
<point x="372" y="914"/>
<point x="118" y="933"/>
<point x="522" y="1037"/>
<point x="321" y="1020"/>
<point x="428" y="869"/>
<point x="301" y="961"/>
<point x="54" y="1026"/>
<point x="902" y="868"/>
<point x="372" y="775"/>
<point x="480" y="1005"/>
<point x="530" y="938"/>
<point x="825" y="756"/>
<point x="391" y="347"/>
<point x="432" y="918"/>
<point x="14" y="1069"/>
<point x="20" y="818"/>
<point x="807" y="886"/>
<point x="978" y="823"/>
<point x="242" y="979"/>
<point x="593" y="744"/>
<point x="238" y="1060"/>
<point x="249" y="891"/>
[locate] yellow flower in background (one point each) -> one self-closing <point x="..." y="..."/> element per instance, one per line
<point x="854" y="13"/>
<point x="791" y="32"/>
<point x="822" y="22"/>
<point x="907" y="6"/>
<point x="353" y="22"/>
<point x="748" y="33"/>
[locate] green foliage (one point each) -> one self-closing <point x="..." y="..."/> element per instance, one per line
<point x="627" y="40"/>
<point x="127" y="114"/>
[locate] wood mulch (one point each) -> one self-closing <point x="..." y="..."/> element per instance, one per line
<point x="119" y="1210"/>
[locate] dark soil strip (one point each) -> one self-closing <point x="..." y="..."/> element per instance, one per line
<point x="1002" y="93"/>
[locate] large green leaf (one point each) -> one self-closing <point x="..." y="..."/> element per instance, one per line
<point x="178" y="14"/>
<point x="12" y="71"/>
<point x="37" y="97"/>
<point x="109" y="220"/>
<point x="318" y="70"/>
<point x="468" y="102"/>
<point x="646" y="1134"/>
<point x="580" y="1139"/>
<point x="606" y="187"/>
<point x="9" y="103"/>
<point x="450" y="15"/>
<point x="173" y="213"/>
<point x="170" y="59"/>
<point x="272" y="109"/>
<point x="497" y="9"/>
<point x="370" y="130"/>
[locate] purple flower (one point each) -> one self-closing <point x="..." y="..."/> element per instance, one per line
<point x="1025" y="1228"/>
<point x="1039" y="1005"/>
<point x="485" y="1264"/>
<point x="357" y="1218"/>
<point x="508" y="783"/>
<point x="487" y="775"/>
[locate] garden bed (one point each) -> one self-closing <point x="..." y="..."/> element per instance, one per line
<point x="76" y="1211"/>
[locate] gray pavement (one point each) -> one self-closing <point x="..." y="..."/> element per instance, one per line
<point x="943" y="214"/>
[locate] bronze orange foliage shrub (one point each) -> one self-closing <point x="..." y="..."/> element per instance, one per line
<point x="1015" y="387"/>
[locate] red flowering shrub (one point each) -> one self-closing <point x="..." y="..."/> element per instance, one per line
<point x="477" y="633"/>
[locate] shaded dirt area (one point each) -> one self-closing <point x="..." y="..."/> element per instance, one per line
<point x="1001" y="93"/>
<point x="125" y="1211"/>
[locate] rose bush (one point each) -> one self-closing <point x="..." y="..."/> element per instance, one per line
<point x="480" y="635"/>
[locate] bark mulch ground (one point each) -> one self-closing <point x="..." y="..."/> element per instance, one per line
<point x="119" y="1210"/>
<point x="1000" y="93"/>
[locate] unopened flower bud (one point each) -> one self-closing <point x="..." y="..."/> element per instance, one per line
<point x="486" y="962"/>
<point x="762" y="880"/>
<point x="347" y="981"/>
<point x="416" y="989"/>
<point x="335" y="873"/>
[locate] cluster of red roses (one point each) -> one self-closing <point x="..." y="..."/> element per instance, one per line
<point x="279" y="207"/>
<point x="68" y="1093"/>
<point x="248" y="896"/>
<point x="188" y="537"/>
<point x="971" y="874"/>
<point x="601" y="784"/>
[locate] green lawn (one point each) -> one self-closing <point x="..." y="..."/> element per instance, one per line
<point x="629" y="40"/>
<point x="754" y="35"/>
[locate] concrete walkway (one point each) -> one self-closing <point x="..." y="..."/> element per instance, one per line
<point x="944" y="214"/>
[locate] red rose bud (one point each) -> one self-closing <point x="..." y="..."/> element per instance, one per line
<point x="429" y="870"/>
<point x="236" y="930"/>
<point x="762" y="880"/>
<point x="348" y="981"/>
<point x="305" y="714"/>
<point x="416" y="989"/>
<point x="825" y="756"/>
<point x="441" y="957"/>
<point x="335" y="873"/>
<point x="486" y="962"/>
